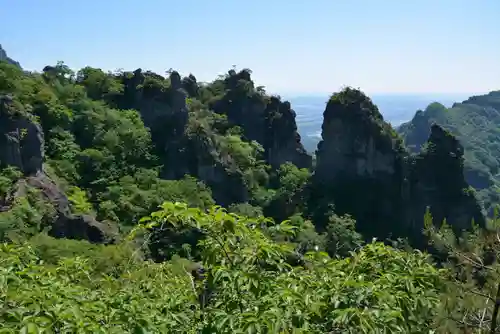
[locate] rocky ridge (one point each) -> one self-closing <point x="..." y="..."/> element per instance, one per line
<point x="190" y="147"/>
<point x="363" y="166"/>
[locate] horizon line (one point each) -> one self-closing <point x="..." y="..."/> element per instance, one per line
<point x="410" y="93"/>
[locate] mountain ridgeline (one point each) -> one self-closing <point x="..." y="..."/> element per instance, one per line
<point x="133" y="202"/>
<point x="105" y="149"/>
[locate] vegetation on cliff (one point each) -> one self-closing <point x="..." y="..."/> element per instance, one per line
<point x="475" y="123"/>
<point x="364" y="169"/>
<point x="109" y="218"/>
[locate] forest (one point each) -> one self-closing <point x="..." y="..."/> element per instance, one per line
<point x="133" y="202"/>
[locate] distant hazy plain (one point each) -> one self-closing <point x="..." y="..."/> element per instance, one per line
<point x="396" y="109"/>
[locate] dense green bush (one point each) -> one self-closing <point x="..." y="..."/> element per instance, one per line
<point x="252" y="288"/>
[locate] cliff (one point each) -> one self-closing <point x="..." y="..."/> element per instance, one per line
<point x="475" y="123"/>
<point x="265" y="119"/>
<point x="22" y="147"/>
<point x="185" y="136"/>
<point x="194" y="127"/>
<point x="102" y="147"/>
<point x="437" y="181"/>
<point x="363" y="167"/>
<point x="360" y="164"/>
<point x="4" y="57"/>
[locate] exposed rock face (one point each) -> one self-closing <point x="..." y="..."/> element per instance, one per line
<point x="437" y="181"/>
<point x="158" y="104"/>
<point x="281" y="138"/>
<point x="162" y="105"/>
<point x="22" y="146"/>
<point x="269" y="121"/>
<point x="360" y="163"/>
<point x="83" y="228"/>
<point x="67" y="225"/>
<point x="3" y="57"/>
<point x="197" y="155"/>
<point x="190" y="149"/>
<point x="475" y="124"/>
<point x="356" y="141"/>
<point x="21" y="139"/>
<point x="363" y="167"/>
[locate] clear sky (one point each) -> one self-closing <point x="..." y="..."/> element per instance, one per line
<point x="292" y="46"/>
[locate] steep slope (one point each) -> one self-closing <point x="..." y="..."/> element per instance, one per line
<point x="436" y="180"/>
<point x="34" y="202"/>
<point x="85" y="167"/>
<point x="4" y="57"/>
<point x="360" y="163"/>
<point x="363" y="167"/>
<point x="475" y="122"/>
<point x="223" y="132"/>
<point x="265" y="119"/>
<point x="183" y="136"/>
<point x="122" y="143"/>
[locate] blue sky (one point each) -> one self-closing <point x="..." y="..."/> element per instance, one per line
<point x="292" y="46"/>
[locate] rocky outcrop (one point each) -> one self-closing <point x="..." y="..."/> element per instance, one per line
<point x="188" y="146"/>
<point x="66" y="224"/>
<point x="21" y="139"/>
<point x="197" y="155"/>
<point x="437" y="181"/>
<point x="416" y="132"/>
<point x="363" y="167"/>
<point x="22" y="146"/>
<point x="163" y="108"/>
<point x="160" y="101"/>
<point x="360" y="164"/>
<point x="355" y="139"/>
<point x="4" y="57"/>
<point x="281" y="138"/>
<point x="267" y="120"/>
<point x="475" y="123"/>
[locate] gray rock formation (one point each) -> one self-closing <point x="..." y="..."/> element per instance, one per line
<point x="437" y="181"/>
<point x="21" y="139"/>
<point x="22" y="146"/>
<point x="282" y="142"/>
<point x="66" y="224"/>
<point x="363" y="167"/>
<point x="4" y="57"/>
<point x="267" y="120"/>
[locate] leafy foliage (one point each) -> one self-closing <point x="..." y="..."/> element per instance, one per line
<point x="470" y="303"/>
<point x="252" y="288"/>
<point x="118" y="145"/>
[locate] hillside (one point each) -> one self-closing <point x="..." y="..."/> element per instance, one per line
<point x="475" y="122"/>
<point x="134" y="202"/>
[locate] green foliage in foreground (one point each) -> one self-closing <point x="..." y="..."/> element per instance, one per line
<point x="252" y="288"/>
